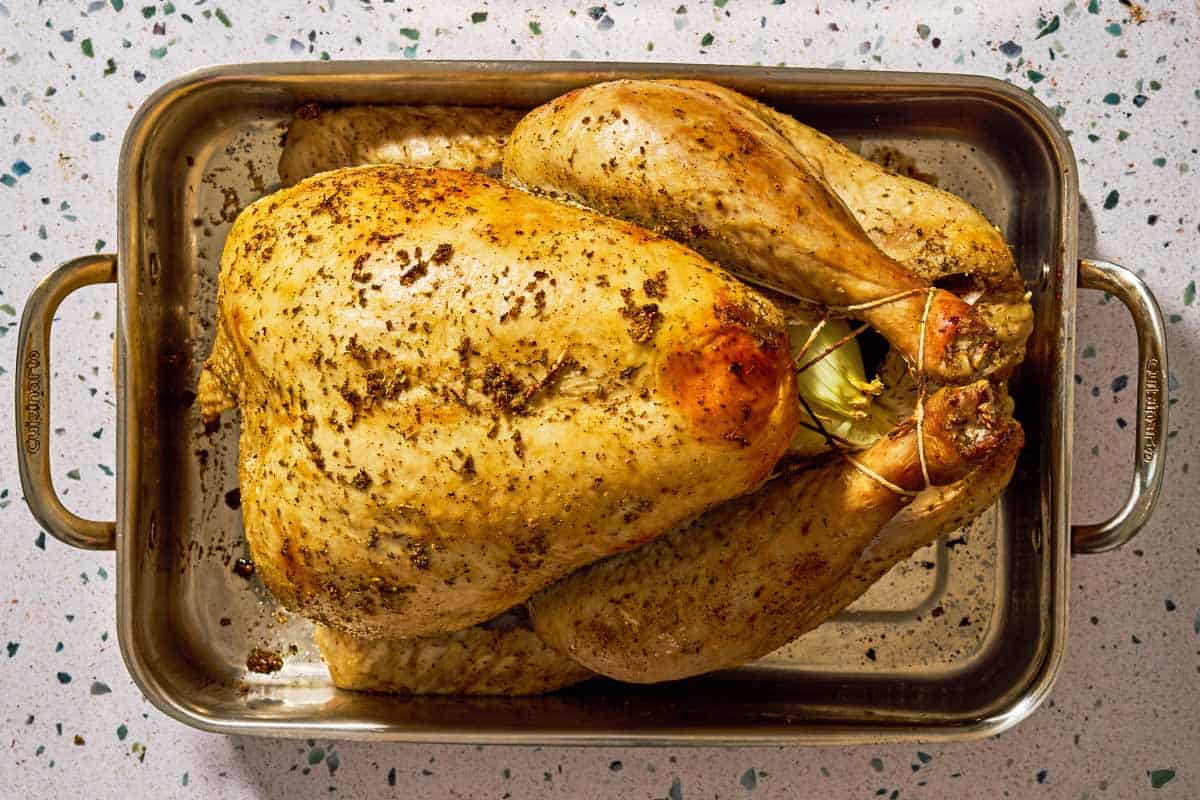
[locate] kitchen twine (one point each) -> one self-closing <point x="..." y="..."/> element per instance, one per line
<point x="918" y="412"/>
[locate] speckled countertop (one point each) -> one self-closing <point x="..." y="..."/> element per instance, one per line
<point x="1124" y="718"/>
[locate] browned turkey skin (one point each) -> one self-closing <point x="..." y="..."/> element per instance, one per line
<point x="429" y="433"/>
<point x="447" y="137"/>
<point x="711" y="168"/>
<point x="503" y="657"/>
<point x="753" y="574"/>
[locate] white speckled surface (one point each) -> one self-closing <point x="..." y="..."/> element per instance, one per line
<point x="1124" y="718"/>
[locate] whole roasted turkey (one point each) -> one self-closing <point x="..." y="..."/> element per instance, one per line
<point x="458" y="398"/>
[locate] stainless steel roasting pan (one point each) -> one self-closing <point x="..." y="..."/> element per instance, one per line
<point x="960" y="642"/>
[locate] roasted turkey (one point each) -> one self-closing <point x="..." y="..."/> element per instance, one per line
<point x="398" y="572"/>
<point x="454" y="393"/>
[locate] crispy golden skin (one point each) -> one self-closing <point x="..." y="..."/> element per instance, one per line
<point x="449" y="137"/>
<point x="504" y="657"/>
<point x="429" y="433"/>
<point x="744" y="579"/>
<point x="712" y="169"/>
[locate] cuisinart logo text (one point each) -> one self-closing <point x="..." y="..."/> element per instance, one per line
<point x="1150" y="420"/>
<point x="32" y="404"/>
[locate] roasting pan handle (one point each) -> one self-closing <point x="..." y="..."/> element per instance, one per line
<point x="1150" y="452"/>
<point x="33" y="403"/>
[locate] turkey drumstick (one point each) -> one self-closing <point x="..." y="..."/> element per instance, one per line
<point x="685" y="160"/>
<point x="745" y="578"/>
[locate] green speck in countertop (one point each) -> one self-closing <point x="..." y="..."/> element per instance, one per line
<point x="1161" y="777"/>
<point x="122" y="732"/>
<point x="535" y="28"/>
<point x="410" y="33"/>
<point x="13" y="647"/>
<point x="184" y="780"/>
<point x="1110" y="202"/>
<point x="616" y="766"/>
<point x="1189" y="293"/>
<point x="1112" y="99"/>
<point x="86" y="47"/>
<point x="676" y="790"/>
<point x="64" y="677"/>
<point x="1114" y="28"/>
<point x="1034" y="76"/>
<point x="1047" y="28"/>
<point x="223" y="17"/>
<point x="100" y="687"/>
<point x="40" y="541"/>
<point x="1093" y="6"/>
<point x="706" y="40"/>
<point x="749" y="780"/>
<point x="316" y="755"/>
<point x="478" y="17"/>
